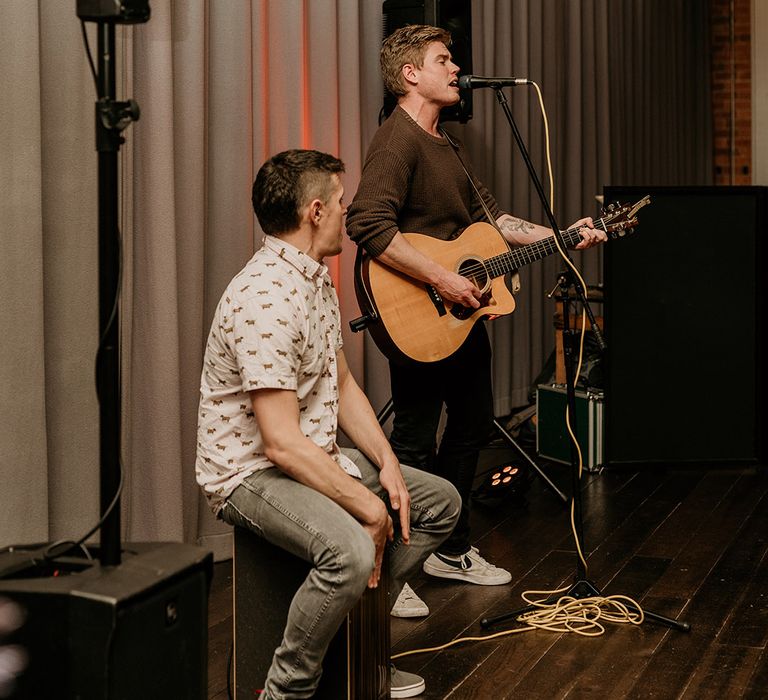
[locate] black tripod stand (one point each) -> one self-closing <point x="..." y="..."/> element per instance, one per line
<point x="582" y="587"/>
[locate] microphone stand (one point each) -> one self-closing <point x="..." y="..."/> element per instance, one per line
<point x="582" y="587"/>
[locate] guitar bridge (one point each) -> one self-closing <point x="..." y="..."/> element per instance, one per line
<point x="436" y="299"/>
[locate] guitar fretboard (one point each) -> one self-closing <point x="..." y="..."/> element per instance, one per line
<point x="516" y="258"/>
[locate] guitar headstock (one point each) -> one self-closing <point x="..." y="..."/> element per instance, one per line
<point x="619" y="219"/>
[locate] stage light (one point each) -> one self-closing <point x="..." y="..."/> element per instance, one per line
<point x="502" y="481"/>
<point x="503" y="478"/>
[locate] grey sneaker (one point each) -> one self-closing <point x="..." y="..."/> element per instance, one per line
<point x="403" y="684"/>
<point x="470" y="567"/>
<point x="408" y="604"/>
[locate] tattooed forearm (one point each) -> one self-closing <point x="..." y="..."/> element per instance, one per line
<point x="511" y="225"/>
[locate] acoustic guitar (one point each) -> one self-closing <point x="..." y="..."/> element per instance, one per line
<point x="409" y="319"/>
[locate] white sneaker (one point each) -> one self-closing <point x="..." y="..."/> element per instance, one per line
<point x="403" y="684"/>
<point x="470" y="567"/>
<point x="408" y="604"/>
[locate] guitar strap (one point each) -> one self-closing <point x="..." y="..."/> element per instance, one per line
<point x="515" y="278"/>
<point x="364" y="300"/>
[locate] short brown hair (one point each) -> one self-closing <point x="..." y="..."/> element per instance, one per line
<point x="287" y="182"/>
<point x="407" y="45"/>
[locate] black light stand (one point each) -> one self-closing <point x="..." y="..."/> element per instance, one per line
<point x="111" y="118"/>
<point x="582" y="587"/>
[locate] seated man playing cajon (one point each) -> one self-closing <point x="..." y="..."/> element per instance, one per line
<point x="275" y="387"/>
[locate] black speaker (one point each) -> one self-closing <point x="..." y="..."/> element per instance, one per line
<point x="136" y="630"/>
<point x="453" y="15"/>
<point x="685" y="328"/>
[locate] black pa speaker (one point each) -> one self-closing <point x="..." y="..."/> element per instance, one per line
<point x="136" y="630"/>
<point x="453" y="15"/>
<point x="685" y="328"/>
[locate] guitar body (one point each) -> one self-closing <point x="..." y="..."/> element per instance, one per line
<point x="413" y="321"/>
<point x="410" y="321"/>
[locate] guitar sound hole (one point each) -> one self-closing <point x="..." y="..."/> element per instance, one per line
<point x="473" y="270"/>
<point x="461" y="312"/>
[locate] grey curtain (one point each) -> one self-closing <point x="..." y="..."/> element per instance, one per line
<point x="223" y="84"/>
<point x="48" y="311"/>
<point x="562" y="46"/>
<point x="660" y="97"/>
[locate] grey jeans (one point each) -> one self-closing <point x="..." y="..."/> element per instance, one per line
<point x="313" y="527"/>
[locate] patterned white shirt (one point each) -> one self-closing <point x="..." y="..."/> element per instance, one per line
<point x="276" y="326"/>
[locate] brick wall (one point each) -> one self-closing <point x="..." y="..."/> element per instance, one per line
<point x="731" y="91"/>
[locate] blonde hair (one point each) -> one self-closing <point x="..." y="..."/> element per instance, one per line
<point x="407" y="45"/>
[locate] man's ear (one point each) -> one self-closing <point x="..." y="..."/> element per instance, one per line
<point x="315" y="211"/>
<point x="409" y="73"/>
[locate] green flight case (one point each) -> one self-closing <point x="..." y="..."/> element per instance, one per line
<point x="552" y="440"/>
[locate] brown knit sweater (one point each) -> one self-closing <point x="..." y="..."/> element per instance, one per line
<point x="413" y="182"/>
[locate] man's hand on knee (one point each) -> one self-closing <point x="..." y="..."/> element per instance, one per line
<point x="391" y="479"/>
<point x="381" y="530"/>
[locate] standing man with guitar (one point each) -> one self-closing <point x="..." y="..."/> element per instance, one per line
<point x="413" y="180"/>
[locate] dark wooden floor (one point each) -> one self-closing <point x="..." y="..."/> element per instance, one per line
<point x="686" y="543"/>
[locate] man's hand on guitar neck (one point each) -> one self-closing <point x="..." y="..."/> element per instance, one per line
<point x="590" y="236"/>
<point x="401" y="255"/>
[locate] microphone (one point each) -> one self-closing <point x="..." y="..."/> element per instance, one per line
<point x="472" y="82"/>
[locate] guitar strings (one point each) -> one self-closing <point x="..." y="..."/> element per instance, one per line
<point x="519" y="256"/>
<point x="516" y="258"/>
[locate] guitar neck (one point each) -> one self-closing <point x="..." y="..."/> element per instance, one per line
<point x="516" y="258"/>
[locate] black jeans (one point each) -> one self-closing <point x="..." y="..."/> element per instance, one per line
<point x="463" y="383"/>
